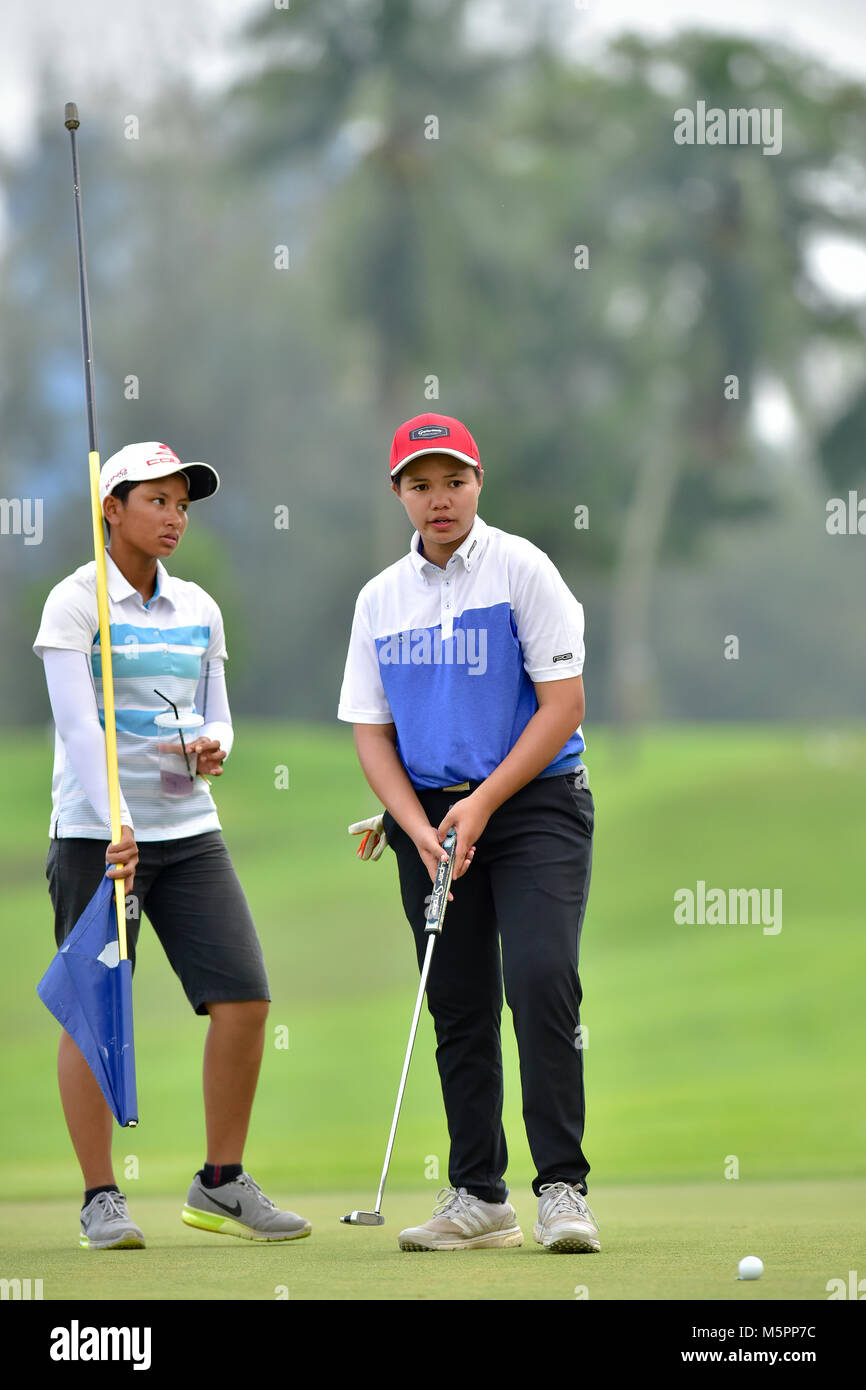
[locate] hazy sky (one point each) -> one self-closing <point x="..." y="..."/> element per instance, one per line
<point x="834" y="30"/>
<point x="137" y="40"/>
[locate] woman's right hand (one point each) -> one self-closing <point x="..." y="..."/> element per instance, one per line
<point x="123" y="855"/>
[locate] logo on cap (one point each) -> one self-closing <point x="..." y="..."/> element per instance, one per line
<point x="429" y="432"/>
<point x="164" y="453"/>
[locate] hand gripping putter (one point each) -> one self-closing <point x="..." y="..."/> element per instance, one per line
<point x="433" y="929"/>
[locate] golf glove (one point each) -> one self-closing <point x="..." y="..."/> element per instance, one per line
<point x="374" y="841"/>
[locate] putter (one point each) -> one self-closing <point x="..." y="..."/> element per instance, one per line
<point x="433" y="929"/>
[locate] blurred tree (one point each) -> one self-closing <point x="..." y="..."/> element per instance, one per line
<point x="384" y="96"/>
<point x="448" y="258"/>
<point x="629" y="386"/>
<point x="635" y="381"/>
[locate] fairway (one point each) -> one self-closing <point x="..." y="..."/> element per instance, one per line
<point x="677" y="1242"/>
<point x="722" y="1062"/>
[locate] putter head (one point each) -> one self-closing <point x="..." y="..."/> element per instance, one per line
<point x="364" y="1218"/>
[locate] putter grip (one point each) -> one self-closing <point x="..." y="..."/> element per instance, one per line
<point x="439" y="896"/>
<point x="70" y="118"/>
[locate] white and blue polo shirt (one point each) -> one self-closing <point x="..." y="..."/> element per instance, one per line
<point x="162" y="643"/>
<point x="449" y="656"/>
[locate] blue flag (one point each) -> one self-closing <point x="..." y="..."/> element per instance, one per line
<point x="88" y="989"/>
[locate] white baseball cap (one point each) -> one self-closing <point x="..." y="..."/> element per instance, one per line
<point x="138" y="463"/>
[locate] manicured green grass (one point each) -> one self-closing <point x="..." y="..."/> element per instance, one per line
<point x="710" y="1048"/>
<point x="658" y="1242"/>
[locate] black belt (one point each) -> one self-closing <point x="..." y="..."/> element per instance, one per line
<point x="580" y="775"/>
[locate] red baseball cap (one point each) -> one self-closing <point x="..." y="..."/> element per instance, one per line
<point x="433" y="434"/>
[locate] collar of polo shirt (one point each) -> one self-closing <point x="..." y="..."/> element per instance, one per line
<point x="120" y="588"/>
<point x="470" y="551"/>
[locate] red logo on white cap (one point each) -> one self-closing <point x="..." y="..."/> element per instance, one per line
<point x="164" y="456"/>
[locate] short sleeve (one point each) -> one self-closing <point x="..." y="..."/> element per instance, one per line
<point x="550" y="621"/>
<point x="362" y="697"/>
<point x="70" y="619"/>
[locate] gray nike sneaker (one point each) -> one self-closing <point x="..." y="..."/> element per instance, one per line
<point x="240" y="1208"/>
<point x="107" y="1225"/>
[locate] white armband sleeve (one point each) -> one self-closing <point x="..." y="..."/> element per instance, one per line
<point x="212" y="701"/>
<point x="76" y="716"/>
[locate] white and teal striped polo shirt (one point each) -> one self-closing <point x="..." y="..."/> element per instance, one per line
<point x="161" y="644"/>
<point x="451" y="656"/>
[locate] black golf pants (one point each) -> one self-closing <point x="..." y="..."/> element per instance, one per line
<point x="526" y="889"/>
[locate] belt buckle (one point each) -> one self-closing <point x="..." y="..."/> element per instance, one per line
<point x="462" y="787"/>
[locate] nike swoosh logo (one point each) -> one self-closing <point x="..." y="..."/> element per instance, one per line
<point x="232" y="1211"/>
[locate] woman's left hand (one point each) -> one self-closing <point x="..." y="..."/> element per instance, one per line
<point x="469" y="818"/>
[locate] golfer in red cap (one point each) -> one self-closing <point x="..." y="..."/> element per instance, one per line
<point x="464" y="685"/>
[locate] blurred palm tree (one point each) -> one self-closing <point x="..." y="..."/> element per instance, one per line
<point x="450" y="257"/>
<point x="699" y="271"/>
<point x="606" y="386"/>
<point x="380" y="98"/>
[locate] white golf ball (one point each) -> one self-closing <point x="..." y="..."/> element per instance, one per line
<point x="750" y="1267"/>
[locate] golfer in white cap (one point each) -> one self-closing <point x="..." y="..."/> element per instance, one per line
<point x="168" y="655"/>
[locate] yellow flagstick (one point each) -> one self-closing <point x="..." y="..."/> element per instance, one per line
<point x="107" y="692"/>
<point x="71" y="122"/>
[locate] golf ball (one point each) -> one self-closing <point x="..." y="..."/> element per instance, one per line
<point x="750" y="1267"/>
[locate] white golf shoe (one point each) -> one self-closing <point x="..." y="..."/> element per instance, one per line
<point x="463" y="1222"/>
<point x="565" y="1223"/>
